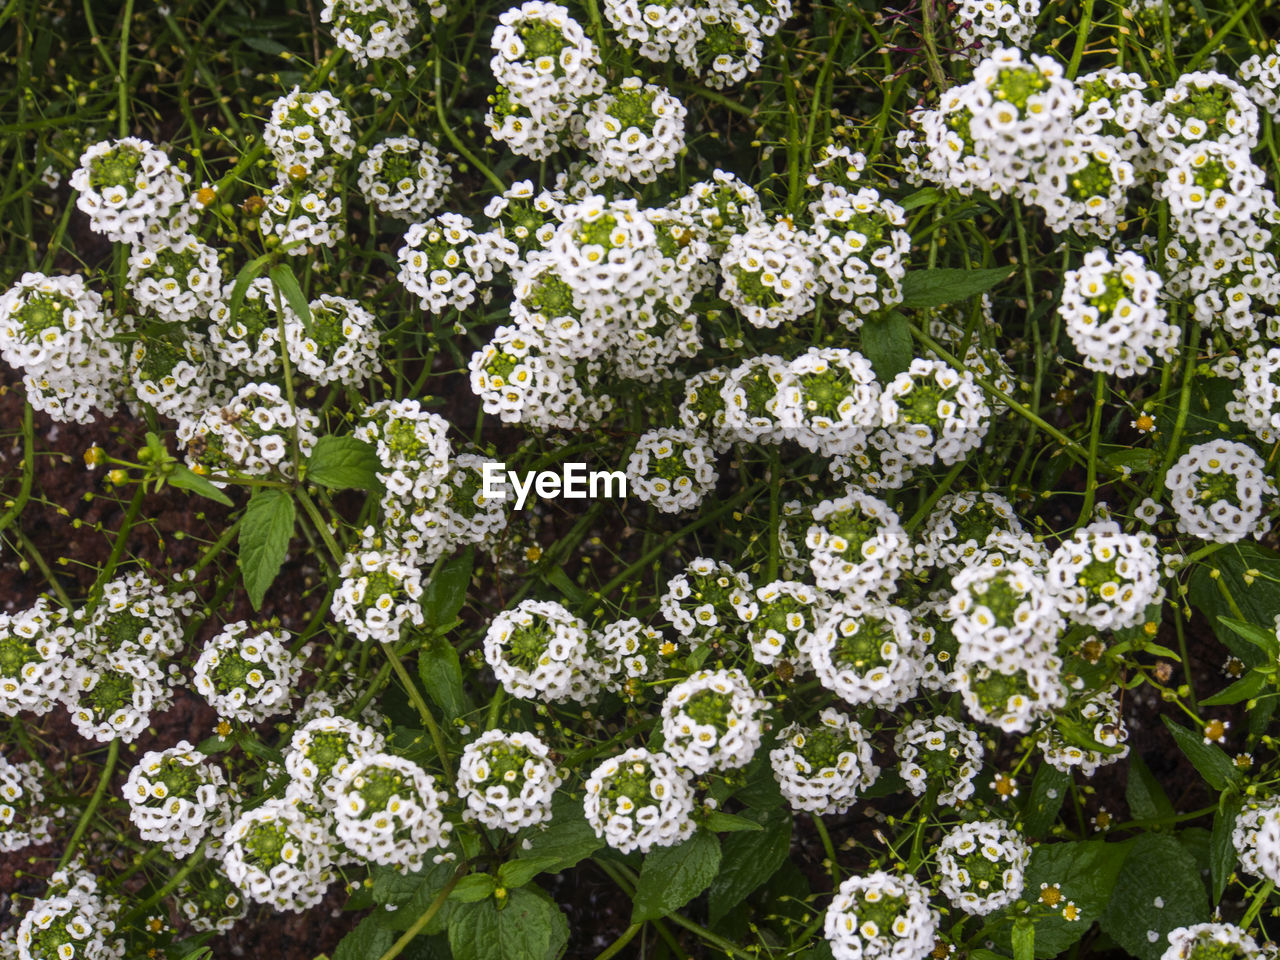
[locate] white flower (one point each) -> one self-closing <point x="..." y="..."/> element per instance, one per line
<point x="247" y="676"/>
<point x="881" y="916"/>
<point x="822" y="768"/>
<point x="981" y="866"/>
<point x="507" y="780"/>
<point x="1217" y="491"/>
<point x="277" y="856"/>
<point x="639" y="800"/>
<point x="387" y="811"/>
<point x="712" y="721"/>
<point x="672" y="468"/>
<point x="539" y="650"/>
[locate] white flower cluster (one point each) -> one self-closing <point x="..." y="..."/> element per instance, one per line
<point x="276" y="855"/>
<point x="73" y="920"/>
<point x="388" y="812"/>
<point x="35" y="646"/>
<point x="442" y="261"/>
<point x="517" y="377"/>
<point x="23" y="821"/>
<point x="374" y="29"/>
<point x="934" y="413"/>
<point x="881" y="916"/>
<point x="672" y="468"/>
<point x="1203" y="940"/>
<point x="1100" y="715"/>
<point x="177" y="374"/>
<point x="1201" y="107"/>
<point x="829" y="400"/>
<point x="1220" y="491"/>
<point x="307" y="134"/>
<point x="412" y="445"/>
<point x="247" y="676"/>
<point x="539" y="650"/>
<point x="1256" y="837"/>
<point x="545" y="67"/>
<point x="1003" y="615"/>
<point x="380" y="592"/>
<point x="320" y="751"/>
<point x="709" y="600"/>
<point x="339" y="345"/>
<point x="1256" y="401"/>
<point x="251" y="436"/>
<point x="129" y="190"/>
<point x="138" y="614"/>
<point x="404" y="177"/>
<point x="1113" y="314"/>
<point x="769" y="273"/>
<point x="720" y="40"/>
<point x="867" y="654"/>
<point x="175" y="797"/>
<point x="302" y="217"/>
<point x="1105" y="578"/>
<point x="112" y="693"/>
<point x="457" y="513"/>
<point x="639" y="800"/>
<point x="630" y="653"/>
<point x="250" y="341"/>
<point x="981" y="865"/>
<point x="176" y="280"/>
<point x="785" y="622"/>
<point x="942" y="753"/>
<point x="54" y="330"/>
<point x="210" y="902"/>
<point x="507" y="780"/>
<point x="982" y="26"/>
<point x="822" y="768"/>
<point x="713" y="720"/>
<point x="960" y="527"/>
<point x="1261" y="76"/>
<point x="860" y="247"/>
<point x="858" y="546"/>
<point x="635" y="131"/>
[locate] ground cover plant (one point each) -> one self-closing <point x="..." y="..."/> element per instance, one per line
<point x="686" y="479"/>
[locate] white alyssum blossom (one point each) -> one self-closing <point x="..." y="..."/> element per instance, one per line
<point x="412" y="445"/>
<point x="35" y="656"/>
<point x="934" y="413"/>
<point x="276" y="855"/>
<point x="1202" y="107"/>
<point x="1201" y="941"/>
<point x="251" y="435"/>
<point x="507" y="780"/>
<point x="1256" y="398"/>
<point x="1105" y="578"/>
<point x="177" y="280"/>
<point x="867" y="654"/>
<point x="1101" y="716"/>
<point x="404" y="177"/>
<point x="639" y="800"/>
<point x="959" y="527"/>
<point x="113" y="693"/>
<point x="340" y="345"/>
<point x="175" y="797"/>
<point x="1003" y="614"/>
<point x="544" y="59"/>
<point x="319" y="753"/>
<point x="728" y="45"/>
<point x="538" y="650"/>
<point x="709" y="600"/>
<point x="24" y="818"/>
<point x="860" y="248"/>
<point x="1256" y="838"/>
<point x="830" y="400"/>
<point x="381" y="591"/>
<point x="129" y="189"/>
<point x="714" y="720"/>
<point x="388" y="812"/>
<point x="940" y="752"/>
<point x="1260" y="75"/>
<point x="752" y="394"/>
<point x="635" y="131"/>
<point x="725" y="206"/>
<point x="1214" y="188"/>
<point x="823" y="767"/>
<point x="445" y="262"/>
<point x="770" y="274"/>
<point x="788" y="614"/>
<point x="247" y="675"/>
<point x="858" y="546"/>
<point x="629" y="654"/>
<point x="1114" y="316"/>
<point x="73" y="920"/>
<point x="375" y="29"/>
<point x="1220" y="491"/>
<point x="307" y="133"/>
<point x="177" y="374"/>
<point x="880" y="916"/>
<point x="981" y="864"/>
<point x="302" y="217"/>
<point x="251" y="342"/>
<point x="981" y="26"/>
<point x="672" y="468"/>
<point x="1013" y="694"/>
<point x="136" y="613"/>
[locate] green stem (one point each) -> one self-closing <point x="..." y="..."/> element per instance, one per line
<point x="828" y="847"/>
<point x="420" y="704"/>
<point x="117" y="548"/>
<point x="122" y="75"/>
<point x="1258" y="902"/>
<point x="1095" y="432"/>
<point x="188" y="867"/>
<point x="1082" y="38"/>
<point x="458" y="145"/>
<point x="627" y="935"/>
<point x="28" y="469"/>
<point x="113" y="754"/>
<point x="932" y="59"/>
<point x="1184" y="409"/>
<point x="432" y="909"/>
<point x="1216" y="39"/>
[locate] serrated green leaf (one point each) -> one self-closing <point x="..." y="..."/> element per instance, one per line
<point x="1247" y="687"/>
<point x="528" y="927"/>
<point x="933" y="288"/>
<point x="1146" y="798"/>
<point x="1048" y="790"/>
<point x="1262" y="638"/>
<point x="440" y="670"/>
<point x="1210" y="761"/>
<point x="446" y="591"/>
<point x="749" y="859"/>
<point x="368" y="939"/>
<point x="1222" y="852"/>
<point x="265" y="533"/>
<point x="1158" y="889"/>
<point x="518" y="872"/>
<point x="1023" y="938"/>
<point x="471" y="888"/>
<point x="886" y="341"/>
<point x="672" y="876"/>
<point x="185" y="479"/>
<point x="720" y="822"/>
<point x="567" y="840"/>
<point x="343" y="463"/>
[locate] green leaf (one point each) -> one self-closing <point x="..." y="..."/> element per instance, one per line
<point x="749" y="859"/>
<point x="368" y="939"/>
<point x="720" y="822"/>
<point x="568" y="840"/>
<point x="446" y="591"/>
<point x="1158" y="889"/>
<point x="1138" y="459"/>
<point x="265" y="532"/>
<point x="672" y="876"/>
<point x="568" y="589"/>
<point x="185" y="479"/>
<point x="412" y="895"/>
<point x="1222" y="852"/>
<point x="1263" y="639"/>
<point x="920" y="198"/>
<point x="933" y="288"/>
<point x="1086" y="872"/>
<point x="518" y="872"/>
<point x="1247" y="687"/>
<point x="1024" y="939"/>
<point x="1048" y="790"/>
<point x="282" y="276"/>
<point x="343" y="463"/>
<point x="250" y="272"/>
<point x="440" y="670"/>
<point x="1250" y="574"/>
<point x="887" y="343"/>
<point x="528" y="927"/>
<point x="1143" y="793"/>
<point x="1211" y="762"/>
<point x="471" y="888"/>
